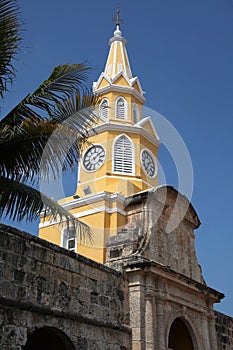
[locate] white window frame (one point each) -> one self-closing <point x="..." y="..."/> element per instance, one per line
<point x="125" y="108"/>
<point x="101" y="109"/>
<point x="132" y="156"/>
<point x="66" y="239"/>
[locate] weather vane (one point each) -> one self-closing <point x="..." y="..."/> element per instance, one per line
<point x="117" y="19"/>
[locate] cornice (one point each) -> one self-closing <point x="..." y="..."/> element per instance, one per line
<point x="89" y="199"/>
<point x="135" y="129"/>
<point x="93" y="198"/>
<point x="138" y="263"/>
<point x="117" y="38"/>
<point x="120" y="89"/>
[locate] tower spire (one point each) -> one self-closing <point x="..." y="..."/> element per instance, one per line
<point x="117" y="73"/>
<point x="117" y="19"/>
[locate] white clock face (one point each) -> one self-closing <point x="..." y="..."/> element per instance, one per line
<point x="93" y="158"/>
<point x="148" y="163"/>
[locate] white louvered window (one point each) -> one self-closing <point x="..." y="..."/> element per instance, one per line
<point x="121" y="108"/>
<point x="123" y="154"/>
<point x="119" y="67"/>
<point x="135" y="113"/>
<point x="103" y="109"/>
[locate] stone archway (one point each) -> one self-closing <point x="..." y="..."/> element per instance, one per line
<point x="48" y="338"/>
<point x="179" y="336"/>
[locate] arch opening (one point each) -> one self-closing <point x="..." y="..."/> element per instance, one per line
<point x="179" y="336"/>
<point x="48" y="338"/>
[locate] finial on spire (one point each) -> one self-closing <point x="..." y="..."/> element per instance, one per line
<point x="117" y="19"/>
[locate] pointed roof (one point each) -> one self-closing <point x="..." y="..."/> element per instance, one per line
<point x="117" y="68"/>
<point x="117" y="60"/>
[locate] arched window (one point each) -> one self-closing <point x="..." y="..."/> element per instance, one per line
<point x="135" y="113"/>
<point x="121" y="108"/>
<point x="123" y="155"/>
<point x="103" y="108"/>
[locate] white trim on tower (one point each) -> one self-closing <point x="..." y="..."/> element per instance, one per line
<point x="114" y="59"/>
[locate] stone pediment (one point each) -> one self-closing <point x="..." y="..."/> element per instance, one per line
<point x="160" y="227"/>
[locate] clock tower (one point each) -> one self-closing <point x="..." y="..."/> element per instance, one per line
<point x="121" y="158"/>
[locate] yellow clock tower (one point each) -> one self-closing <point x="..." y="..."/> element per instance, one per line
<point x="120" y="161"/>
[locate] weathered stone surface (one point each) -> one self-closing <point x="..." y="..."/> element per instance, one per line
<point x="43" y="285"/>
<point x="160" y="226"/>
<point x="157" y="252"/>
<point x="224" y="329"/>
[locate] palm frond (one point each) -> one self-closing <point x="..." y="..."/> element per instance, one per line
<point x="44" y="146"/>
<point x="64" y="79"/>
<point x="24" y="147"/>
<point x="19" y="201"/>
<point x="64" y="82"/>
<point x="10" y="38"/>
<point x="77" y="112"/>
<point x="38" y="144"/>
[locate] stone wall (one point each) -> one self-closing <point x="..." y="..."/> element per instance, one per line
<point x="43" y="285"/>
<point x="224" y="329"/>
<point x="160" y="226"/>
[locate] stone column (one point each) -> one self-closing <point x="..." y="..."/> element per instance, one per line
<point x="159" y="316"/>
<point x="149" y="315"/>
<point x="160" y="331"/>
<point x="212" y="332"/>
<point x="137" y="308"/>
<point x="205" y="332"/>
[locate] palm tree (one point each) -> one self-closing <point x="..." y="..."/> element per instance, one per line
<point x="49" y="124"/>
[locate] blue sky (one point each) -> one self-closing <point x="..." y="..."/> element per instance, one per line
<point x="182" y="52"/>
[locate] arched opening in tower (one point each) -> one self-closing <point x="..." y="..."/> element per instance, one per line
<point x="179" y="336"/>
<point x="48" y="338"/>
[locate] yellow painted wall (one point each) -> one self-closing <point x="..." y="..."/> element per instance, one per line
<point x="102" y="224"/>
<point x="121" y="81"/>
<point x="103" y="83"/>
<point x="51" y="234"/>
<point x="105" y="179"/>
